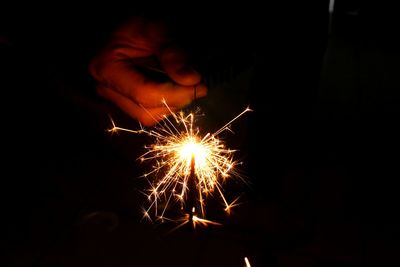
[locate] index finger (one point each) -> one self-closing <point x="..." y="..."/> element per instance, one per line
<point x="128" y="81"/>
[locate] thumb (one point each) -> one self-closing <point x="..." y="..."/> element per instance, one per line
<point x="174" y="62"/>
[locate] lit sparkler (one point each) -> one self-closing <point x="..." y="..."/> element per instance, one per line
<point x="187" y="167"/>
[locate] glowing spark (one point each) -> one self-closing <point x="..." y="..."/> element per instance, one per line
<point x="231" y="205"/>
<point x="196" y="221"/>
<point x="186" y="164"/>
<point x="246" y="260"/>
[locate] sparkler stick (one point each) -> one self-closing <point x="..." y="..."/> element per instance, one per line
<point x="191" y="192"/>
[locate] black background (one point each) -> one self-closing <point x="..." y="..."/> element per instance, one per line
<point x="320" y="150"/>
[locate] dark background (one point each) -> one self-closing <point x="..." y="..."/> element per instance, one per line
<point x="320" y="150"/>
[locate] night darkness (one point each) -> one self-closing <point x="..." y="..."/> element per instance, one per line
<point x="320" y="152"/>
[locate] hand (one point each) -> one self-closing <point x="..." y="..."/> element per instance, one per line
<point x="120" y="80"/>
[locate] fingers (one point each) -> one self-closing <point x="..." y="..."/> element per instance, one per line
<point x="146" y="116"/>
<point x="122" y="77"/>
<point x="174" y="62"/>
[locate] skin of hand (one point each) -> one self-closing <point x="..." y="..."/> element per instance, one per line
<point x="120" y="81"/>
